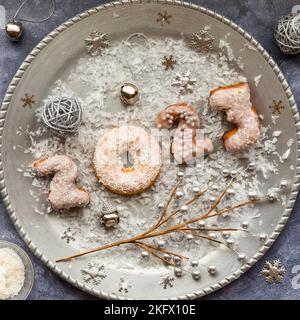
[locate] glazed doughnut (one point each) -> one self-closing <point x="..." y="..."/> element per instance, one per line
<point x="64" y="194"/>
<point x="235" y="101"/>
<point x="186" y="146"/>
<point x="140" y="146"/>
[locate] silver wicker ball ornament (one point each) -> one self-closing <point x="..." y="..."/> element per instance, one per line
<point x="287" y="34"/>
<point x="63" y="115"/>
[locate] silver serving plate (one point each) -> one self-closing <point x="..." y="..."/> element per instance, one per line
<point x="44" y="65"/>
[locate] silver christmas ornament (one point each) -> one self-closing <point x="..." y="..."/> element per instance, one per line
<point x="262" y="237"/>
<point x="194" y="263"/>
<point x="190" y="237"/>
<point x="160" y="205"/>
<point x="161" y="244"/>
<point x="284" y="184"/>
<point x="201" y="225"/>
<point x="145" y="255"/>
<point x="167" y="257"/>
<point x="252" y="195"/>
<point x="230" y="192"/>
<point x="287" y="34"/>
<point x="251" y="166"/>
<point x="14" y="30"/>
<point x="178" y="272"/>
<point x="229" y="243"/>
<point x="272" y="196"/>
<point x="180" y="174"/>
<point x="63" y="115"/>
<point x="129" y="93"/>
<point x="233" y="173"/>
<point x="245" y="224"/>
<point x="212" y="235"/>
<point x="214" y="187"/>
<point x="225" y="172"/>
<point x="196" y="275"/>
<point x="212" y="199"/>
<point x="242" y="257"/>
<point x="109" y="215"/>
<point x="184" y="209"/>
<point x="177" y="260"/>
<point x="212" y="270"/>
<point x="196" y="190"/>
<point x="225" y="234"/>
<point x="178" y="194"/>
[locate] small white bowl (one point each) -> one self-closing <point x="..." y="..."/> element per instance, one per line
<point x="29" y="271"/>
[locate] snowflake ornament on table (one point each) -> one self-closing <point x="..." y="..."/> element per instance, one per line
<point x="28" y="100"/>
<point x="184" y="82"/>
<point x="167" y="281"/>
<point x="124" y="285"/>
<point x="273" y="271"/>
<point x="163" y="18"/>
<point x="94" y="273"/>
<point x="202" y="41"/>
<point x="96" y="42"/>
<point x="277" y="107"/>
<point x="168" y="62"/>
<point x="68" y="235"/>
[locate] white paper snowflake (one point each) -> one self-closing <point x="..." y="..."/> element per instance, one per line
<point x="93" y="273"/>
<point x="184" y="82"/>
<point x="96" y="42"/>
<point x="202" y="41"/>
<point x="273" y="271"/>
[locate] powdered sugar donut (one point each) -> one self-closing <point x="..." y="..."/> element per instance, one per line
<point x="64" y="194"/>
<point x="186" y="145"/>
<point x="235" y="101"/>
<point x="134" y="143"/>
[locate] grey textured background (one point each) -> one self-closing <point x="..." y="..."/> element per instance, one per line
<point x="255" y="16"/>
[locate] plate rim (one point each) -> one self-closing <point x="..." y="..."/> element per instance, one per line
<point x="70" y="22"/>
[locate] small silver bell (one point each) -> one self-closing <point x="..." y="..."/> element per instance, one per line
<point x="129" y="93"/>
<point x="14" y="30"/>
<point x="109" y="215"/>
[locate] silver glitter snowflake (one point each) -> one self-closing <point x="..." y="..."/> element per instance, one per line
<point x="68" y="235"/>
<point x="167" y="281"/>
<point x="93" y="273"/>
<point x="273" y="271"/>
<point x="124" y="285"/>
<point x="185" y="83"/>
<point x="202" y="41"/>
<point x="96" y="42"/>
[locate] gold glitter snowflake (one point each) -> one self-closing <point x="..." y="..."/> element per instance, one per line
<point x="93" y="274"/>
<point x="277" y="107"/>
<point x="168" y="62"/>
<point x="96" y="42"/>
<point x="202" y="41"/>
<point x="273" y="271"/>
<point x="28" y="101"/>
<point x="164" y="18"/>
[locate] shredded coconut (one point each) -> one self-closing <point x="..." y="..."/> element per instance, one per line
<point x="12" y="273"/>
<point x="96" y="82"/>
